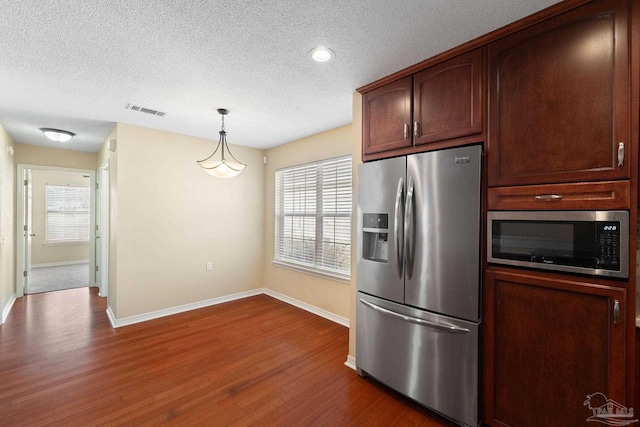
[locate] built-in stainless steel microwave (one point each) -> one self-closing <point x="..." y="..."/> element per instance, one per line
<point x="584" y="242"/>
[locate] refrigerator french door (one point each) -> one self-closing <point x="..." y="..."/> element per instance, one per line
<point x="418" y="277"/>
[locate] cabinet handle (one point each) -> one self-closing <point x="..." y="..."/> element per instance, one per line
<point x="620" y="154"/>
<point x="416" y="128"/>
<point x="406" y="131"/>
<point x="549" y="197"/>
<point x="616" y="312"/>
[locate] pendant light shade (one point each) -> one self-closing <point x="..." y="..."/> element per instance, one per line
<point x="222" y="167"/>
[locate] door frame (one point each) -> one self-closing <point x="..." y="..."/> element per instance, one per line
<point x="103" y="219"/>
<point x="20" y="219"/>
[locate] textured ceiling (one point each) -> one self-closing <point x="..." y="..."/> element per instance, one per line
<point x="76" y="65"/>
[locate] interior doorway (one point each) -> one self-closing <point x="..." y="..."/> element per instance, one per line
<point x="56" y="229"/>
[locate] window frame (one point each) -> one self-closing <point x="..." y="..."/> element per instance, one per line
<point x="316" y="267"/>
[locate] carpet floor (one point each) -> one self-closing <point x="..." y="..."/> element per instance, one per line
<point x="47" y="279"/>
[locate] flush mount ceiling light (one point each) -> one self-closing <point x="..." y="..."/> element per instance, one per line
<point x="321" y="54"/>
<point x="222" y="167"/>
<point x="57" y="135"/>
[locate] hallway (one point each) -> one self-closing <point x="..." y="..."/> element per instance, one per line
<point x="48" y="279"/>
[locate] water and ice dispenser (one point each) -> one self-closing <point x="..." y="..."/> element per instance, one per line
<point x="375" y="234"/>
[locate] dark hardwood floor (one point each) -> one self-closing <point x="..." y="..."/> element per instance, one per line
<point x="256" y="361"/>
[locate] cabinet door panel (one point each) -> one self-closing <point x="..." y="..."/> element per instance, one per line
<point x="448" y="99"/>
<point x="559" y="99"/>
<point x="386" y="114"/>
<point x="549" y="344"/>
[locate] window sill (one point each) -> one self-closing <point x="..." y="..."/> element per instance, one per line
<point x="314" y="272"/>
<point x="64" y="243"/>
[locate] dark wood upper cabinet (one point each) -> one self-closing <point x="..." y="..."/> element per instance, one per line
<point x="448" y="99"/>
<point x="559" y="99"/>
<point x="548" y="345"/>
<point x="441" y="103"/>
<point x="387" y="117"/>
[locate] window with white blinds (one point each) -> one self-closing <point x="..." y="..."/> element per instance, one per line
<point x="67" y="219"/>
<point x="313" y="216"/>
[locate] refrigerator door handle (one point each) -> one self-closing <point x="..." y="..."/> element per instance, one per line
<point x="410" y="319"/>
<point x="398" y="229"/>
<point x="408" y="230"/>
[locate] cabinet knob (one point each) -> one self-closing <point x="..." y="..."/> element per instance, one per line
<point x="416" y="129"/>
<point x="616" y="312"/>
<point x="406" y="131"/>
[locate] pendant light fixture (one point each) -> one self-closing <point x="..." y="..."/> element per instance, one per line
<point x="222" y="167"/>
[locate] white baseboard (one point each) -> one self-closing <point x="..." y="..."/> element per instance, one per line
<point x="308" y="307"/>
<point x="7" y="308"/>
<point x="58" y="264"/>
<point x="351" y="362"/>
<point x="117" y="323"/>
<point x="112" y="318"/>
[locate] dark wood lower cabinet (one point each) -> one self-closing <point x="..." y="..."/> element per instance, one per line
<point x="637" y="405"/>
<point x="549" y="344"/>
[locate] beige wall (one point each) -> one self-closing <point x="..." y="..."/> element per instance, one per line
<point x="7" y="222"/>
<point x="43" y="156"/>
<point x="53" y="254"/>
<point x="356" y="147"/>
<point x="330" y="295"/>
<point x="172" y="218"/>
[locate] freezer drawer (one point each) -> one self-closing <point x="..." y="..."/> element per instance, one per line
<point x="430" y="358"/>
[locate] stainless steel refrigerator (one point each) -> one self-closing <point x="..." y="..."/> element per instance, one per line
<point x="418" y="277"/>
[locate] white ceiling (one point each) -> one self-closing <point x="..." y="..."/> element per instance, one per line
<point x="76" y="65"/>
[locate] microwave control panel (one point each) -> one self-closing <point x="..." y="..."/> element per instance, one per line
<point x="608" y="244"/>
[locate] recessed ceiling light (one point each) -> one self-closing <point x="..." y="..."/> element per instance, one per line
<point x="321" y="54"/>
<point x="57" y="135"/>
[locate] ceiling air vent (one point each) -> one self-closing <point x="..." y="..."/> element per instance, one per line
<point x="145" y="110"/>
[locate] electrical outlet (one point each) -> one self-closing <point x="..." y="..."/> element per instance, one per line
<point x="209" y="266"/>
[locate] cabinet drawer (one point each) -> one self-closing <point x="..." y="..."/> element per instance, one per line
<point x="584" y="195"/>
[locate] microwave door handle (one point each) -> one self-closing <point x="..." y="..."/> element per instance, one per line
<point x="408" y="230"/>
<point x="398" y="229"/>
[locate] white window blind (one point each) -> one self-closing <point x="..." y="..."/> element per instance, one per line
<point x="67" y="219"/>
<point x="313" y="216"/>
